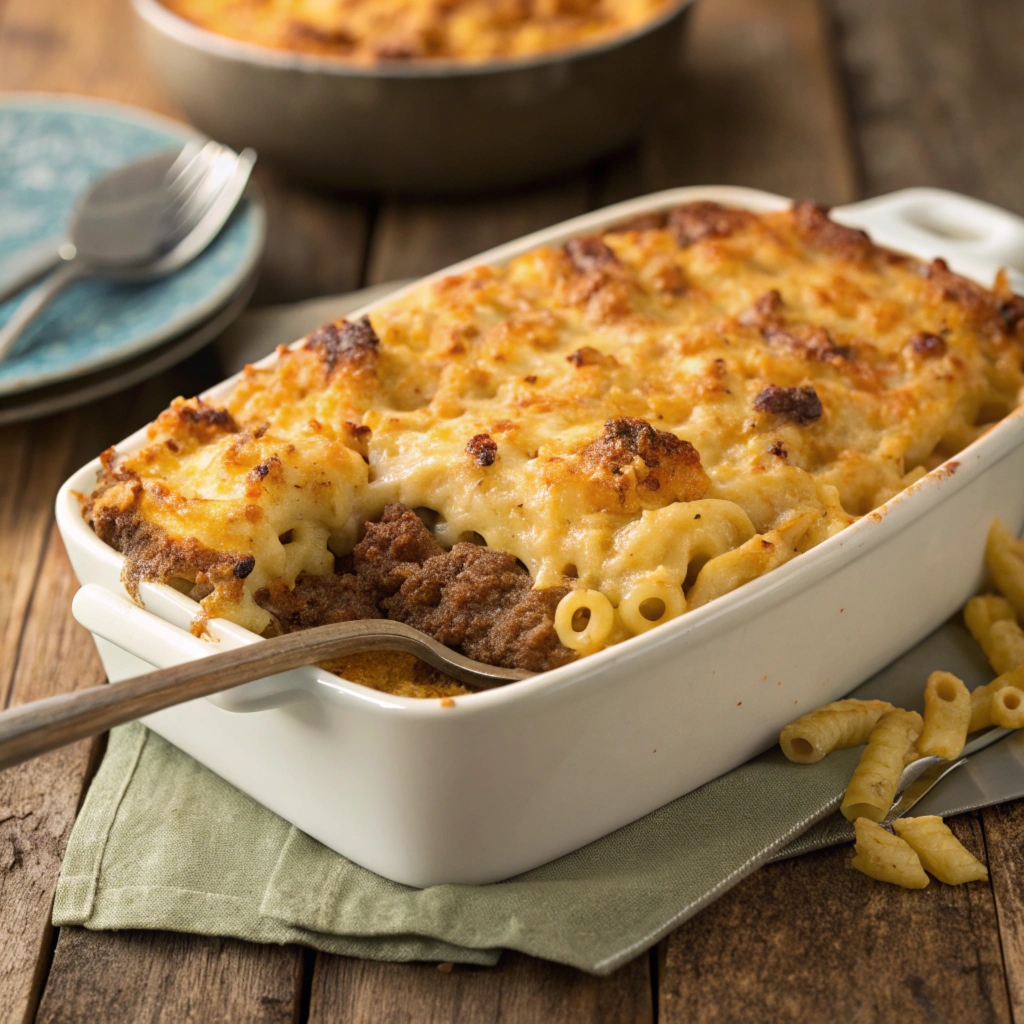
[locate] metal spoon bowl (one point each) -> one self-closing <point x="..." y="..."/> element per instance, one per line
<point x="142" y="223"/>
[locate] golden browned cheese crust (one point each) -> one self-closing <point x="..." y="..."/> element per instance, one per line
<point x="373" y="31"/>
<point x="689" y="400"/>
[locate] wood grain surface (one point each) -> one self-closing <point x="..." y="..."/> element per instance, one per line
<point x="803" y="97"/>
<point x="812" y="939"/>
<point x="169" y="979"/>
<point x="520" y="990"/>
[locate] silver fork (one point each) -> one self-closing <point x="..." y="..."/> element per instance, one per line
<point x="144" y="240"/>
<point x="917" y="779"/>
<point x="33" y="729"/>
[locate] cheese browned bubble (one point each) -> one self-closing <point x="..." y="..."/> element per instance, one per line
<point x="671" y="408"/>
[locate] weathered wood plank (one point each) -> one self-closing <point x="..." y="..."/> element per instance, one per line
<point x="760" y="105"/>
<point x="413" y="238"/>
<point x="315" y="242"/>
<point x="158" y="978"/>
<point x="32" y="474"/>
<point x="937" y="94"/>
<point x="1004" y="841"/>
<point x="38" y="800"/>
<point x="814" y="940"/>
<point x="520" y="990"/>
<point x="53" y="46"/>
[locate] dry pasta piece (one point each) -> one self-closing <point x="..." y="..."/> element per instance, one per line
<point x="981" y="699"/>
<point x="939" y="851"/>
<point x="873" y="786"/>
<point x="584" y="620"/>
<point x="993" y="623"/>
<point x="947" y="714"/>
<point x="887" y="858"/>
<point x="1004" y="556"/>
<point x="652" y="600"/>
<point x="836" y="726"/>
<point x="1008" y="707"/>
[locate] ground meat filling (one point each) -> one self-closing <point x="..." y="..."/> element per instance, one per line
<point x="475" y="600"/>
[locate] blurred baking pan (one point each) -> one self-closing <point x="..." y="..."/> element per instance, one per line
<point x="427" y="126"/>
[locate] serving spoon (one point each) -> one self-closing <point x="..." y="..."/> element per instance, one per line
<point x="138" y="223"/>
<point x="33" y="729"/>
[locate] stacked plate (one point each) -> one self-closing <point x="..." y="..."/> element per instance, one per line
<point x="99" y="337"/>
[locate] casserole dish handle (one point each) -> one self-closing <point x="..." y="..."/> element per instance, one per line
<point x="161" y="644"/>
<point x="930" y="222"/>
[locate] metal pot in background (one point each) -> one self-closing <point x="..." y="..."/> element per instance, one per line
<point x="426" y="127"/>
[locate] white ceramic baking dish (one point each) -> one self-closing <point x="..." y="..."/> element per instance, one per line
<point x="513" y="777"/>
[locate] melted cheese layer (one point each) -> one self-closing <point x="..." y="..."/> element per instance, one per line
<point x="691" y="401"/>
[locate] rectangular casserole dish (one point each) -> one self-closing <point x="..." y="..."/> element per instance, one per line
<point x="508" y="779"/>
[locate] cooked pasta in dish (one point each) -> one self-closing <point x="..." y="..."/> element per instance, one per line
<point x="388" y="31"/>
<point x="534" y="461"/>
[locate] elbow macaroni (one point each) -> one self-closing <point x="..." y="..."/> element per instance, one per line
<point x="947" y="715"/>
<point x="887" y="858"/>
<point x="984" y="710"/>
<point x="649" y="602"/>
<point x="873" y="786"/>
<point x="837" y="726"/>
<point x="993" y="623"/>
<point x="584" y="620"/>
<point x="1004" y="556"/>
<point x="940" y="852"/>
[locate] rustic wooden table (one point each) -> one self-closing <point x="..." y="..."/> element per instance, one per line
<point x="803" y="97"/>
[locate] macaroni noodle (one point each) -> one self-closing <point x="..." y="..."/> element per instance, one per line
<point x="1004" y="556"/>
<point x="939" y="851"/>
<point x="873" y="786"/>
<point x="947" y="714"/>
<point x="992" y="621"/>
<point x="887" y="858"/>
<point x="836" y="726"/>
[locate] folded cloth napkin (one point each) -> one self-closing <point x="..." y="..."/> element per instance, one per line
<point x="161" y="842"/>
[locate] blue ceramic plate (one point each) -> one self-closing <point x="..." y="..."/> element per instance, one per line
<point x="50" y="149"/>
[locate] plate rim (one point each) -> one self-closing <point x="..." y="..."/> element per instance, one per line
<point x="184" y="321"/>
<point x="172" y="352"/>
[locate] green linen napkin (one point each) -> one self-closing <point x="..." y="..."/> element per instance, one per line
<point x="163" y="843"/>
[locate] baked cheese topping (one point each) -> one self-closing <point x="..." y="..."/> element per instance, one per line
<point x="371" y="31"/>
<point x="650" y="417"/>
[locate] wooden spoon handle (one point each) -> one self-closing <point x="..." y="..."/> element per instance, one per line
<point x="34" y="729"/>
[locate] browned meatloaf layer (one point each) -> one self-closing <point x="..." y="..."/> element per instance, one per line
<point x="473" y="599"/>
